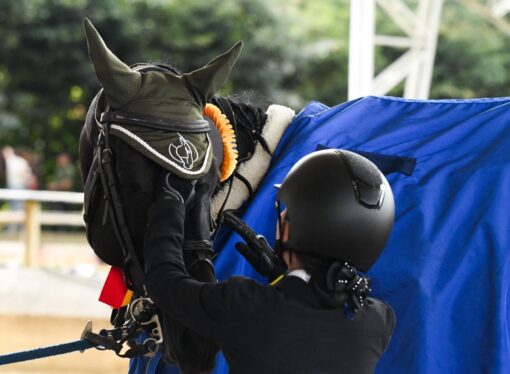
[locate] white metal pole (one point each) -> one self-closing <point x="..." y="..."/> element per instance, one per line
<point x="499" y="8"/>
<point x="361" y="48"/>
<point x="415" y="66"/>
<point x="425" y="43"/>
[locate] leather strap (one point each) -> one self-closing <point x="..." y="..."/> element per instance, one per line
<point x="132" y="267"/>
<point x="198" y="126"/>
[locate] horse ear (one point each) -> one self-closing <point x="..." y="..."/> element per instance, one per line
<point x="208" y="79"/>
<point x="119" y="82"/>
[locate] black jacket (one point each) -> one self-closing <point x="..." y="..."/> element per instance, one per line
<point x="261" y="329"/>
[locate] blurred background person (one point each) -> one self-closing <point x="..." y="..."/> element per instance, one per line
<point x="65" y="174"/>
<point x="19" y="176"/>
<point x="34" y="161"/>
<point x="18" y="172"/>
<point x="63" y="180"/>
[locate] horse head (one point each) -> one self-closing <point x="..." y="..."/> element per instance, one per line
<point x="145" y="121"/>
<point x="157" y="123"/>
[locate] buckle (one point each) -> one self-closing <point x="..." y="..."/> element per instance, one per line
<point x="141" y="316"/>
<point x="144" y="311"/>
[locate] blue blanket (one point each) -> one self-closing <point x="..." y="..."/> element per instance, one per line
<point x="446" y="268"/>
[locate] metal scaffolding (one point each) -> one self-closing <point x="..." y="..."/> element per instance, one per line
<point x="420" y="26"/>
<point x="499" y="8"/>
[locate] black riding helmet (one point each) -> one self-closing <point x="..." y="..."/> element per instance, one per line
<point x="340" y="206"/>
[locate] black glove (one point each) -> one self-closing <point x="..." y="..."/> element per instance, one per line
<point x="257" y="251"/>
<point x="173" y="187"/>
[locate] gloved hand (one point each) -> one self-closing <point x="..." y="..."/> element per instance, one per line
<point x="198" y="247"/>
<point x="198" y="225"/>
<point x="173" y="187"/>
<point x="256" y="251"/>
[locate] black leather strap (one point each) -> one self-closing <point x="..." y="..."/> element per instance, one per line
<point x="198" y="126"/>
<point x="132" y="267"/>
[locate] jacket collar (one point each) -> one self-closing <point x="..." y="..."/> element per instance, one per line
<point x="296" y="289"/>
<point x="300" y="273"/>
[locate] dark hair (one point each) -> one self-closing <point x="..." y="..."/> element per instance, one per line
<point x="316" y="266"/>
<point x="337" y="284"/>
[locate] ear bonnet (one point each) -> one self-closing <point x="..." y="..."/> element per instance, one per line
<point x="156" y="111"/>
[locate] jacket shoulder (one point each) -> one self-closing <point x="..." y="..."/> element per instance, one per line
<point x="379" y="313"/>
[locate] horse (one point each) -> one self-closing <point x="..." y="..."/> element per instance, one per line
<point x="156" y="120"/>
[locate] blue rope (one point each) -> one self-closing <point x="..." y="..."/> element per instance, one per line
<point x="78" y="345"/>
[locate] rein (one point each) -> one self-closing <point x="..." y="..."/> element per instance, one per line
<point x="142" y="313"/>
<point x="132" y="267"/>
<point x="128" y="324"/>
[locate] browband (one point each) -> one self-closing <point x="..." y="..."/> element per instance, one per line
<point x="198" y="126"/>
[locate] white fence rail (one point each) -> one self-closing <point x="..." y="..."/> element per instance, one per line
<point x="33" y="218"/>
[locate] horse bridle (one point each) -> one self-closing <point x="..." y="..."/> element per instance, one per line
<point x="142" y="312"/>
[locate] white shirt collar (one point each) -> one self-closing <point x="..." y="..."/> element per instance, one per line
<point x="300" y="273"/>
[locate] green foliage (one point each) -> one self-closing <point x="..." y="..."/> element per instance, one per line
<point x="321" y="28"/>
<point x="473" y="57"/>
<point x="295" y="51"/>
<point x="189" y="33"/>
<point x="47" y="81"/>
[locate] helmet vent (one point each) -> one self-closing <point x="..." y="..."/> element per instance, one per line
<point x="366" y="179"/>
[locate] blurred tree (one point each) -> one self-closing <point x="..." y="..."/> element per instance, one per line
<point x="295" y="51"/>
<point x="189" y="33"/>
<point x="473" y="57"/>
<point x="322" y="28"/>
<point x="46" y="79"/>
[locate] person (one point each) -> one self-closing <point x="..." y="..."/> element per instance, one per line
<point x="18" y="172"/>
<point x="65" y="174"/>
<point x="34" y="164"/>
<point x="338" y="215"/>
<point x="18" y="176"/>
<point x="63" y="180"/>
